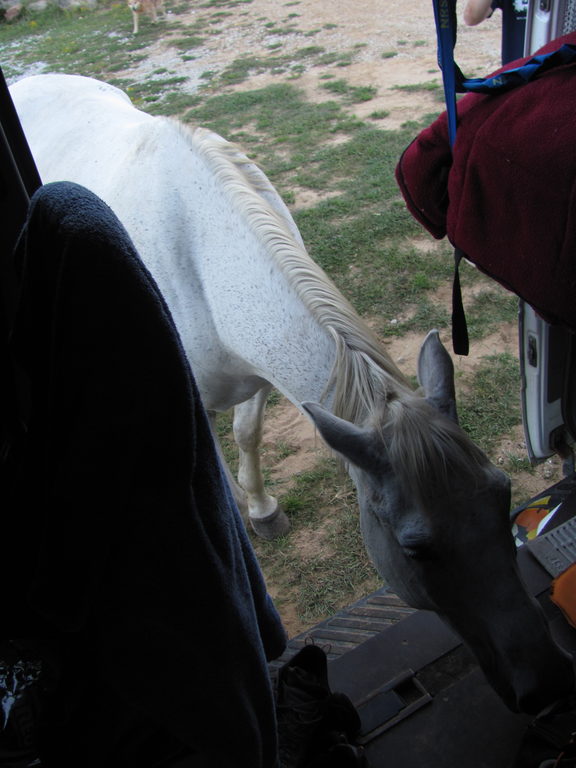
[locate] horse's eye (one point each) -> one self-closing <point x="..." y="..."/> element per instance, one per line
<point x="419" y="550"/>
<point x="418" y="553"/>
<point x="416" y="544"/>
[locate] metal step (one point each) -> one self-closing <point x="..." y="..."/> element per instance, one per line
<point x="350" y="627"/>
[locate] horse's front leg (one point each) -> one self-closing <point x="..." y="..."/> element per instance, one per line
<point x="264" y="513"/>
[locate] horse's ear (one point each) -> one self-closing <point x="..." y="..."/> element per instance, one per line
<point x="356" y="445"/>
<point x="436" y="375"/>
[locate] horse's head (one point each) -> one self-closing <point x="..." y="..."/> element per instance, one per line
<point x="434" y="515"/>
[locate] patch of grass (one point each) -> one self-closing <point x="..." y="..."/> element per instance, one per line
<point x="245" y="66"/>
<point x="273" y="117"/>
<point x="226" y="439"/>
<point x="300" y="502"/>
<point x="427" y="314"/>
<point x="334" y="570"/>
<point x="328" y="58"/>
<point x="94" y="43"/>
<point x="151" y="91"/>
<point x="226" y="3"/>
<point x="185" y="44"/>
<point x="489" y="310"/>
<point x="353" y="94"/>
<point x="515" y="464"/>
<point x="337" y="86"/>
<point x="273" y="29"/>
<point x="274" y="398"/>
<point x="432" y="85"/>
<point x="308" y="52"/>
<point x="283" y="450"/>
<point x="401" y="281"/>
<point x="490" y="408"/>
<point x="360" y="228"/>
<point x="220" y="16"/>
<point x="173" y="103"/>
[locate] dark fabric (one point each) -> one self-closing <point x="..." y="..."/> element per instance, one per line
<point x="514" y="14"/>
<point x="128" y="551"/>
<point x="506" y="197"/>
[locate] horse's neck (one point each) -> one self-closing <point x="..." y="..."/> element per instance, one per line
<point x="263" y="323"/>
<point x="275" y="309"/>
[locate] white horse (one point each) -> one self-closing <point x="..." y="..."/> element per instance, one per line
<point x="255" y="312"/>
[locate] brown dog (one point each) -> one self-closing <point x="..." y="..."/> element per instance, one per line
<point x="145" y="6"/>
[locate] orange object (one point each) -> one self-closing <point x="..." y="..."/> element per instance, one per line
<point x="564" y="593"/>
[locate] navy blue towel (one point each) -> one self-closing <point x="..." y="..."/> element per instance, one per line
<point x="133" y="548"/>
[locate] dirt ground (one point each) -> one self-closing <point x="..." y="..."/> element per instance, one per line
<point x="395" y="46"/>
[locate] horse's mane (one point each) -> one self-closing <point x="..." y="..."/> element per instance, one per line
<point x="425" y="448"/>
<point x="427" y="451"/>
<point x="363" y="374"/>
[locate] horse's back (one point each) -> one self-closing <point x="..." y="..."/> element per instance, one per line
<point x="65" y="89"/>
<point x="79" y="129"/>
<point x="86" y="131"/>
<point x="89" y="132"/>
<point x="205" y="220"/>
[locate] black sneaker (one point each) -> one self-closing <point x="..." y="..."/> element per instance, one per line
<point x="313" y="722"/>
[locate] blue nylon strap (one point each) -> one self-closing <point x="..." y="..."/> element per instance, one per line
<point x="445" y="17"/>
<point x="512" y="78"/>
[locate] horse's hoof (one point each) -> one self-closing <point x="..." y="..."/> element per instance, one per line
<point x="271" y="527"/>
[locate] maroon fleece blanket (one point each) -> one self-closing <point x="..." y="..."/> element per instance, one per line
<point x="507" y="194"/>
